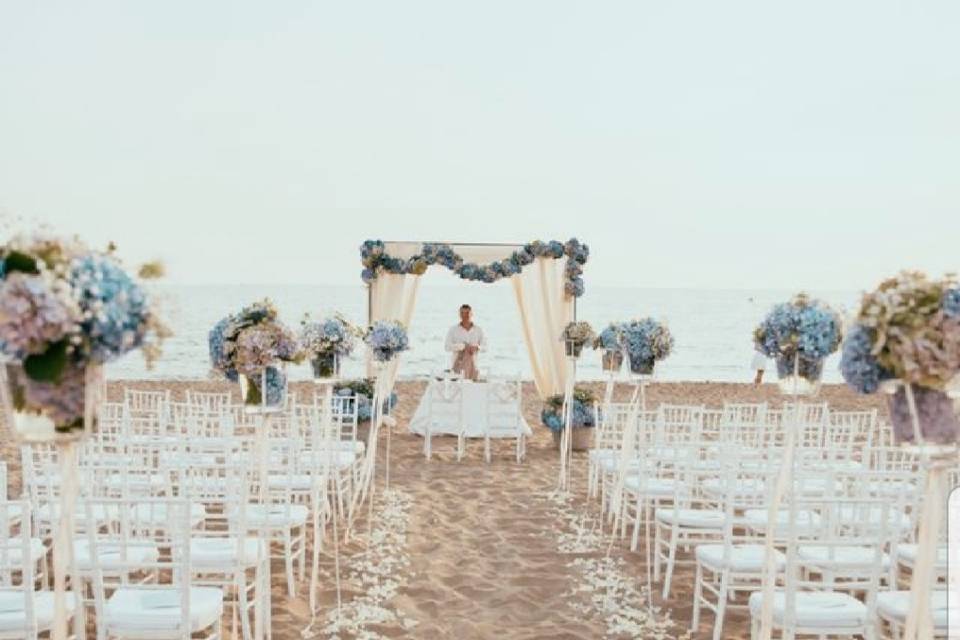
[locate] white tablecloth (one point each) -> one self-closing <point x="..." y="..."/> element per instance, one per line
<point x="475" y="411"/>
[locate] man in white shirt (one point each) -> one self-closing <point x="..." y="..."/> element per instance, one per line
<point x="465" y="340"/>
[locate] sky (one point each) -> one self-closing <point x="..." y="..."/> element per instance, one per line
<point x="736" y="144"/>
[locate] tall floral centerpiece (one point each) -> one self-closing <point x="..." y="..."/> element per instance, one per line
<point x="386" y="339"/>
<point x="906" y="340"/>
<point x="575" y="336"/>
<point x="799" y="335"/>
<point x="326" y="343"/>
<point x="610" y="341"/>
<point x="248" y="347"/>
<point x="65" y="310"/>
<point x="646" y="342"/>
<point x="582" y="417"/>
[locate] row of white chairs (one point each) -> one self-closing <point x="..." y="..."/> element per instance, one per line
<point x="697" y="485"/>
<point x="247" y="488"/>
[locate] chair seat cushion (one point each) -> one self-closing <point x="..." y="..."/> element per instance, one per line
<point x="743" y="557"/>
<point x="612" y="464"/>
<point x="341" y="458"/>
<point x="156" y="513"/>
<point x="12" y="614"/>
<point x="907" y="555"/>
<point x="135" y="611"/>
<point x="873" y="515"/>
<point x="743" y="487"/>
<point x="840" y="557"/>
<point x="815" y="609"/>
<point x="650" y="486"/>
<point x="276" y="516"/>
<point x="693" y="518"/>
<point x="223" y="552"/>
<point x="108" y="551"/>
<point x="893" y="605"/>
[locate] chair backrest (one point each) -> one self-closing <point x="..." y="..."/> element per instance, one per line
<point x="503" y="406"/>
<point x="13" y="550"/>
<point x="679" y="423"/>
<point x="208" y="402"/>
<point x="445" y="403"/>
<point x="849" y="428"/>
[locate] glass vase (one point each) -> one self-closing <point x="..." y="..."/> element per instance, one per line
<point x="641" y="366"/>
<point x="798" y="376"/>
<point x="612" y="361"/>
<point x="326" y="366"/>
<point x="936" y="415"/>
<point x="266" y="392"/>
<point x="51" y="412"/>
<point x="573" y="348"/>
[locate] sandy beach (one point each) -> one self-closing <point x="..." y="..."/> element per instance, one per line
<point x="474" y="550"/>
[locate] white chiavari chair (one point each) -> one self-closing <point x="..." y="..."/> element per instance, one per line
<point x="445" y="413"/>
<point x="504" y="416"/>
<point x="171" y="607"/>
<point x="25" y="612"/>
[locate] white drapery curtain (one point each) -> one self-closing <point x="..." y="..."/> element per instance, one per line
<point x="544" y="312"/>
<point x="392" y="297"/>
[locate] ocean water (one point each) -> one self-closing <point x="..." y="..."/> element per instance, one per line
<point x="712" y="328"/>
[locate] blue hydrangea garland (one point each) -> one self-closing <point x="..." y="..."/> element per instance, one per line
<point x="375" y="259"/>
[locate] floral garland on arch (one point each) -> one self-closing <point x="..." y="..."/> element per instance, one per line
<point x="376" y="259"/>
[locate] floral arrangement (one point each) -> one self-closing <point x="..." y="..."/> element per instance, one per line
<point x="909" y="330"/>
<point x="646" y="341"/>
<point x="361" y="392"/>
<point x="576" y="335"/>
<point x="583" y="415"/>
<point x="799" y="334"/>
<point x="386" y="338"/>
<point x="250" y="343"/>
<point x="610" y="339"/>
<point x="330" y="335"/>
<point x="375" y="259"/>
<point x="64" y="307"/>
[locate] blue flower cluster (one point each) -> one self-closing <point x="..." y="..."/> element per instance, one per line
<point x="386" y="338"/>
<point x="361" y="392"/>
<point x="583" y="415"/>
<point x="804" y="329"/>
<point x="331" y="335"/>
<point x="276" y="342"/>
<point x="951" y="303"/>
<point x="217" y="344"/>
<point x="115" y="308"/>
<point x="276" y="381"/>
<point x="645" y="341"/>
<point x="375" y="259"/>
<point x="860" y="368"/>
<point x="610" y="339"/>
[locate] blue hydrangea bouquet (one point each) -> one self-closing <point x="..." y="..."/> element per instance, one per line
<point x="65" y="310"/>
<point x="248" y="347"/>
<point x="906" y="340"/>
<point x="361" y="392"/>
<point x="646" y="342"/>
<point x="610" y="342"/>
<point x="799" y="335"/>
<point x="326" y="343"/>
<point x="386" y="339"/>
<point x="582" y="416"/>
<point x="575" y="336"/>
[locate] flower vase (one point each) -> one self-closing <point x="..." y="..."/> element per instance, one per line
<point x="612" y="361"/>
<point x="641" y="366"/>
<point x="582" y="438"/>
<point x="936" y="416"/>
<point x="798" y="376"/>
<point x="326" y="366"/>
<point x="51" y="412"/>
<point x="252" y="390"/>
<point x="573" y="348"/>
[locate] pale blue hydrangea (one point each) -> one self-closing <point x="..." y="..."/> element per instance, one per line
<point x="386" y="339"/>
<point x="860" y="369"/>
<point x="951" y="303"/>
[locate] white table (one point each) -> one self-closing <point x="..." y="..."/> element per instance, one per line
<point x="475" y="411"/>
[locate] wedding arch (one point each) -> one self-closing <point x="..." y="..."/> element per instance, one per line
<point x="546" y="278"/>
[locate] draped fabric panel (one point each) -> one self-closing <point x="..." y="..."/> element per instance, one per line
<point x="544" y="312"/>
<point x="392" y="297"/>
